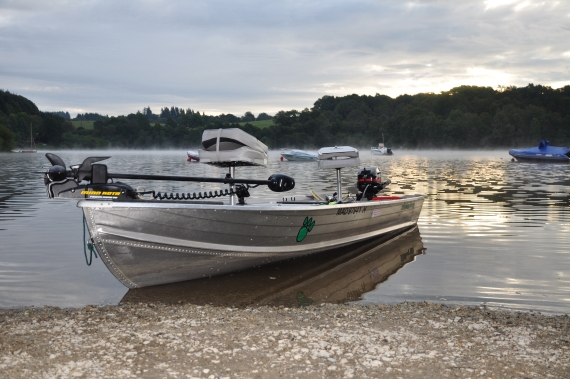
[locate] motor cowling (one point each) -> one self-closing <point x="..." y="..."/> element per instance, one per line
<point x="369" y="182"/>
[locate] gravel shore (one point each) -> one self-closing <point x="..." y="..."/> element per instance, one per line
<point x="410" y="340"/>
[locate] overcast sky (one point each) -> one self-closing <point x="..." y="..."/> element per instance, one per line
<point x="215" y="56"/>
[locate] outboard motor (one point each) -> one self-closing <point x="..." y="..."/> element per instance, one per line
<point x="369" y="183"/>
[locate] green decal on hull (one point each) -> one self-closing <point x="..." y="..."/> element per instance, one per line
<point x="306" y="228"/>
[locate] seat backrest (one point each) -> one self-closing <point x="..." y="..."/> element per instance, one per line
<point x="338" y="157"/>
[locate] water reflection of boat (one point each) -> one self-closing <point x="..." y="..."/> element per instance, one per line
<point x="298" y="155"/>
<point x="542" y="153"/>
<point x="335" y="276"/>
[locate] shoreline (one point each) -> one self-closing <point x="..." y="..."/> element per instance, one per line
<point x="183" y="340"/>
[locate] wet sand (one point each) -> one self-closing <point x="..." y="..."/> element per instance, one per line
<point x="410" y="340"/>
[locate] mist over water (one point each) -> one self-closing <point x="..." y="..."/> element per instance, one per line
<point x="491" y="231"/>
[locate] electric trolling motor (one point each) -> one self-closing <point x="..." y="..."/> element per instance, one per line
<point x="62" y="183"/>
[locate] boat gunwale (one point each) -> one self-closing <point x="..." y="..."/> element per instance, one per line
<point x="274" y="206"/>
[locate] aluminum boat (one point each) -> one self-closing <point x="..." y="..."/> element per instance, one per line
<point x="147" y="238"/>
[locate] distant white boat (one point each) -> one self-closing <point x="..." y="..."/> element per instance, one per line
<point x="381" y="149"/>
<point x="298" y="155"/>
<point x="193" y="156"/>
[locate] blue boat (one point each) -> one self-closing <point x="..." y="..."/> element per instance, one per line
<point x="543" y="153"/>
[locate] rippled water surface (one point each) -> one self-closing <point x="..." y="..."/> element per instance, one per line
<point x="491" y="231"/>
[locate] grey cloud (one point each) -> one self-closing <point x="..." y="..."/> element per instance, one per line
<point x="234" y="56"/>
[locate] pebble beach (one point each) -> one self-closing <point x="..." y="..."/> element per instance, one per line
<point x="408" y="340"/>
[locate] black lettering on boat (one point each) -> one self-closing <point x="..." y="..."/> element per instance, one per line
<point x="350" y="211"/>
<point x="407" y="206"/>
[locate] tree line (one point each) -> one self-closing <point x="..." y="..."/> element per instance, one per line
<point x="463" y="117"/>
<point x="20" y="118"/>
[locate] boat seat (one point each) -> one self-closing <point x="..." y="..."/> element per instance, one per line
<point x="338" y="157"/>
<point x="231" y="148"/>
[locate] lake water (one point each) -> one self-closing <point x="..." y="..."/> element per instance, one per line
<point x="491" y="232"/>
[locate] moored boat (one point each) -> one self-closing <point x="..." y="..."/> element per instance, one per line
<point x="542" y="153"/>
<point x="381" y="149"/>
<point x="147" y="238"/>
<point x="193" y="156"/>
<point x="298" y="155"/>
<point x="32" y="144"/>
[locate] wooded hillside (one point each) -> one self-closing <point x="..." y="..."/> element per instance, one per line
<point x="464" y="117"/>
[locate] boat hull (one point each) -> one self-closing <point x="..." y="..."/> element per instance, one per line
<point x="540" y="158"/>
<point x="542" y="153"/>
<point x="383" y="151"/>
<point x="148" y="243"/>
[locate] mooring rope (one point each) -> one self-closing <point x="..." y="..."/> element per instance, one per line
<point x="88" y="245"/>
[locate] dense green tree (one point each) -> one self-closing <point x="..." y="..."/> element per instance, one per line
<point x="90" y="117"/>
<point x="11" y="103"/>
<point x="6" y="139"/>
<point x="248" y="117"/>
<point x="65" y="115"/>
<point x="52" y="129"/>
<point x="286" y="118"/>
<point x="263" y="116"/>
